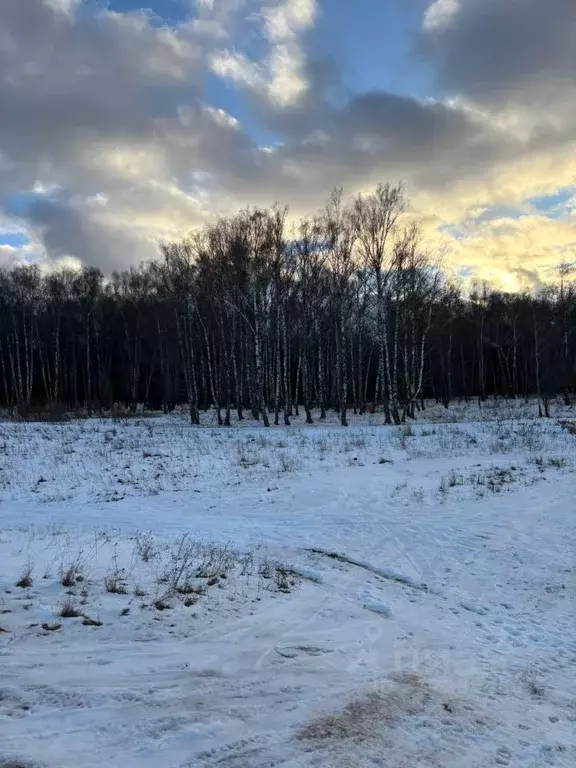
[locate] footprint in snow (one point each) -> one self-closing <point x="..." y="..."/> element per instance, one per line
<point x="293" y="651"/>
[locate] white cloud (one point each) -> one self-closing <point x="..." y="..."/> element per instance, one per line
<point x="284" y="21"/>
<point x="63" y="6"/>
<point x="439" y="13"/>
<point x="221" y="117"/>
<point x="286" y="63"/>
<point x="281" y="78"/>
<point x="234" y="66"/>
<point x="288" y="81"/>
<point x="42" y="188"/>
<point x="280" y="74"/>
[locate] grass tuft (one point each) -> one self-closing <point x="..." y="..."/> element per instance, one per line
<point x="71" y="574"/>
<point x="51" y="627"/>
<point x="88" y="622"/>
<point x="25" y="581"/>
<point x="68" y="610"/>
<point x="190" y="601"/>
<point x="14" y="764"/>
<point x="114" y="584"/>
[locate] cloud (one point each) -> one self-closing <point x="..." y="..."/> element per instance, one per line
<point x="81" y="97"/>
<point x="280" y="74"/>
<point x="66" y="82"/>
<point x="439" y="14"/>
<point x="503" y="52"/>
<point x="514" y="63"/>
<point x="63" y="6"/>
<point x="9" y="254"/>
<point x="285" y="20"/>
<point x="109" y="140"/>
<point x="234" y="66"/>
<point x="67" y="232"/>
<point x="524" y="251"/>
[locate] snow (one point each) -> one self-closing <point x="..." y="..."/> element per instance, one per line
<point x="303" y="596"/>
<point x="377" y="606"/>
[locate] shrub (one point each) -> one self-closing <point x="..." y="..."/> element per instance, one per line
<point x="68" y="609"/>
<point x="145" y="547"/>
<point x="283" y="580"/>
<point x="114" y="584"/>
<point x="25" y="581"/>
<point x="288" y="463"/>
<point x="71" y="574"/>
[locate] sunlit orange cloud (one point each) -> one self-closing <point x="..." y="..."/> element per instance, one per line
<point x="515" y="250"/>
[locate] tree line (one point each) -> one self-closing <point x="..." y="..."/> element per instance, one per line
<point x="346" y="310"/>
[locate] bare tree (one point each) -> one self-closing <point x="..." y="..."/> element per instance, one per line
<point x="375" y="220"/>
<point x="338" y="234"/>
<point x="348" y="308"/>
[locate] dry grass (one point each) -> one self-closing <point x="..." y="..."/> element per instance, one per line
<point x="190" y="601"/>
<point x="88" y="622"/>
<point x="14" y="764"/>
<point x="355" y="721"/>
<point x="25" y="581"/>
<point x="68" y="609"/>
<point x="51" y="627"/>
<point x="114" y="584"/>
<point x="364" y="717"/>
<point x="180" y="574"/>
<point x="145" y="547"/>
<point x="71" y="574"/>
<point x="191" y="589"/>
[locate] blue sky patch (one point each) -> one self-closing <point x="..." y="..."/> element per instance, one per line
<point x="15" y="239"/>
<point x="555" y="206"/>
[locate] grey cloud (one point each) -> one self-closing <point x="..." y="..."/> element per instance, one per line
<point x="66" y="231"/>
<point x="375" y="136"/>
<point x="64" y="79"/>
<point x="71" y="85"/>
<point x="527" y="277"/>
<point x="506" y="50"/>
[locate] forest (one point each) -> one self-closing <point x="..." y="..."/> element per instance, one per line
<point x="347" y="310"/>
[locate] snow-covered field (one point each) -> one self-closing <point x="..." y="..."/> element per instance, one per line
<point x="174" y="597"/>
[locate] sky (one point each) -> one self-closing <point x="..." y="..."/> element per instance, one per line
<point x="123" y="124"/>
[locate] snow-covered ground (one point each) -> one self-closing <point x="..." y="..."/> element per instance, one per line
<point x="296" y="597"/>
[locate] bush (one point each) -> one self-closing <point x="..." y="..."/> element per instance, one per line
<point x="71" y="574"/>
<point x="114" y="584"/>
<point x="25" y="581"/>
<point x="68" y="609"/>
